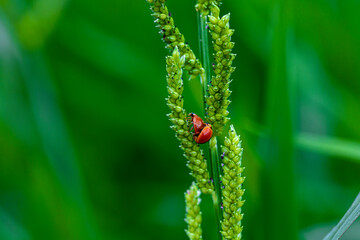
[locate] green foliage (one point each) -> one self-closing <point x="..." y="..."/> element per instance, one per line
<point x="329" y="146"/>
<point x="279" y="119"/>
<point x="85" y="147"/>
<point x="346" y="221"/>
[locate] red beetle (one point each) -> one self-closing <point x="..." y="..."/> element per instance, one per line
<point x="205" y="134"/>
<point x="198" y="123"/>
<point x="202" y="131"/>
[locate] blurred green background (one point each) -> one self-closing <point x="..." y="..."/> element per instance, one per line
<point x="86" y="151"/>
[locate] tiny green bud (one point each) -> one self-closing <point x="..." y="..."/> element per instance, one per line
<point x="215" y="35"/>
<point x="225" y="18"/>
<point x="162" y="16"/>
<point x="178" y="109"/>
<point x="191" y="61"/>
<point x="217" y="29"/>
<point x="213" y="19"/>
<point x="195" y="71"/>
<point x="215" y="11"/>
<point x="167" y="27"/>
<point x="171" y="38"/>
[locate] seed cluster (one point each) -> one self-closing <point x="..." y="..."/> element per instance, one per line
<point x="232" y="191"/>
<point x="193" y="214"/>
<point x="219" y="92"/>
<point x="178" y="117"/>
<point x="204" y="6"/>
<point x="173" y="38"/>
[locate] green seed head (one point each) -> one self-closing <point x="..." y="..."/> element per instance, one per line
<point x="173" y="38"/>
<point x="219" y="88"/>
<point x="192" y="152"/>
<point x="232" y="186"/>
<point x="204" y="6"/>
<point x="193" y="214"/>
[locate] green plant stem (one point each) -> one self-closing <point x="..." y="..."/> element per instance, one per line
<point x="214" y="155"/>
<point x="215" y="174"/>
<point x="204" y="53"/>
<point x="280" y="203"/>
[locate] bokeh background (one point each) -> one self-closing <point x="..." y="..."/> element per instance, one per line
<point x="86" y="151"/>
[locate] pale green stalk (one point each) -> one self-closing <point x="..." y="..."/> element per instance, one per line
<point x="215" y="174"/>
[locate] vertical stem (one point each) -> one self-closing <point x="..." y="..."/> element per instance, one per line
<point x="279" y="179"/>
<point x="215" y="172"/>
<point x="204" y="53"/>
<point x="213" y="148"/>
